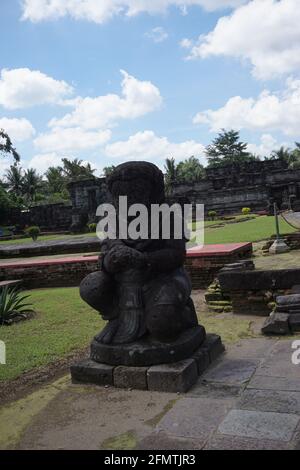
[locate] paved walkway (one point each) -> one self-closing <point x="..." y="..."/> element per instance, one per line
<point x="248" y="399"/>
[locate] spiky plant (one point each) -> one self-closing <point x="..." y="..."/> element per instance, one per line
<point x="13" y="304"/>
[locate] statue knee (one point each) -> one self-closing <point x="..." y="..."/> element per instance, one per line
<point x="164" y="322"/>
<point x="96" y="289"/>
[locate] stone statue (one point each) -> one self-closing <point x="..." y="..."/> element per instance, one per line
<point x="142" y="289"/>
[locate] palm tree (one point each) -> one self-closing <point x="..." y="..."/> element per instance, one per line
<point x="14" y="180"/>
<point x="32" y="182"/>
<point x="6" y="146"/>
<point x="75" y="169"/>
<point x="170" y="173"/>
<point x="283" y="154"/>
<point x="55" y="180"/>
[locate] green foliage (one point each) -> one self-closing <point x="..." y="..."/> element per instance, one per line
<point x="212" y="214"/>
<point x="227" y="149"/>
<point x="108" y="170"/>
<point x="246" y="210"/>
<point x="12" y="304"/>
<point x="170" y="173"/>
<point x="55" y="181"/>
<point x="92" y="227"/>
<point x="190" y="170"/>
<point x="75" y="169"/>
<point x="6" y="146"/>
<point x="6" y="204"/>
<point x="33" y="232"/>
<point x="32" y="183"/>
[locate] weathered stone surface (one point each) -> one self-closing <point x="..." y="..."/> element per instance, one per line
<point x="214" y="346"/>
<point x="89" y="371"/>
<point x="202" y="360"/>
<point x="255" y="348"/>
<point x="231" y="371"/>
<point x="222" y="442"/>
<point x="294" y="321"/>
<point x="178" y="377"/>
<point x="260" y="425"/>
<point x="279" y="246"/>
<point x="130" y="377"/>
<point x="267" y="400"/>
<point x="161" y="441"/>
<point x="274" y="383"/>
<point x="288" y="300"/>
<point x="146" y="353"/>
<point x="194" y="417"/>
<point x="276" y="324"/>
<point x="259" y="280"/>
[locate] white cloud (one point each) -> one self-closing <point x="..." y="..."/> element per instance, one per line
<point x="17" y="129"/>
<point x="157" y="34"/>
<point x="100" y="11"/>
<point x="138" y="98"/>
<point x="264" y="32"/>
<point x="147" y="145"/>
<point x="21" y="88"/>
<point x="268" y="112"/>
<point x="42" y="162"/>
<point x="266" y="146"/>
<point x="73" y="139"/>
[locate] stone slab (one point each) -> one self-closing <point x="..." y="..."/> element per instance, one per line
<point x="89" y="371"/>
<point x="130" y="377"/>
<point x="178" y="377"/>
<point x="276" y="324"/>
<point x="294" y="321"/>
<point x="263" y="382"/>
<point x="161" y="441"/>
<point x="270" y="400"/>
<point x="148" y="353"/>
<point x="194" y="417"/>
<point x="214" y="346"/>
<point x="231" y="371"/>
<point x="202" y="360"/>
<point x="222" y="442"/>
<point x="254" y="348"/>
<point x="260" y="425"/>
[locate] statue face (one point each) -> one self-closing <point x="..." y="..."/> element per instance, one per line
<point x="138" y="191"/>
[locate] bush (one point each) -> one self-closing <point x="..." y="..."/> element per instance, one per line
<point x="12" y="304"/>
<point x="92" y="227"/>
<point x="212" y="215"/>
<point x="33" y="232"/>
<point x="246" y="210"/>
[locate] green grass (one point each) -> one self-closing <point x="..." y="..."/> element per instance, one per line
<point x="22" y="241"/>
<point x="254" y="230"/>
<point x="64" y="323"/>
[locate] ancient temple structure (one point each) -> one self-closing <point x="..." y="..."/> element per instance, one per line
<point x="254" y="184"/>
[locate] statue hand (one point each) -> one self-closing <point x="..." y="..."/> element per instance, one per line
<point x="121" y="258"/>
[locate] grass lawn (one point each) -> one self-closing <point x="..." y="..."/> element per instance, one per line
<point x="64" y="323"/>
<point x="44" y="238"/>
<point x="260" y="228"/>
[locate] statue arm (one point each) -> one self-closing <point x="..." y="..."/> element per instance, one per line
<point x="169" y="258"/>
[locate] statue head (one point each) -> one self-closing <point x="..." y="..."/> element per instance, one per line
<point x="141" y="182"/>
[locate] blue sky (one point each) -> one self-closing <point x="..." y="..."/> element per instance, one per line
<point x="189" y="68"/>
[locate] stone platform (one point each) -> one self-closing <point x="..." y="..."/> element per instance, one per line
<point x="174" y="377"/>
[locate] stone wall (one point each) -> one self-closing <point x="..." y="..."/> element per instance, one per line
<point x="50" y="217"/>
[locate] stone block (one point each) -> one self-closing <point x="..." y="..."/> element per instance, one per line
<point x="214" y="346"/>
<point x="277" y="401"/>
<point x="177" y="377"/>
<point x="89" y="371"/>
<point x="294" y="321"/>
<point x="276" y="324"/>
<point x="202" y="360"/>
<point x="130" y="377"/>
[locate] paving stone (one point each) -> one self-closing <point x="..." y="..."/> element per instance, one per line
<point x="202" y="360"/>
<point x="130" y="377"/>
<point x="161" y="441"/>
<point x="294" y="321"/>
<point x="213" y="344"/>
<point x="89" y="371"/>
<point x="274" y="383"/>
<point x="267" y="400"/>
<point x="222" y="442"/>
<point x="254" y="348"/>
<point x="273" y="367"/>
<point x="231" y="371"/>
<point x="215" y="390"/>
<point x="260" y="425"/>
<point x="177" y="377"/>
<point x="194" y="417"/>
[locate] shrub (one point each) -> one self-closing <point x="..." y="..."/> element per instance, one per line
<point x="246" y="210"/>
<point x="12" y="304"/>
<point x="33" y="232"/>
<point x="92" y="227"/>
<point x="212" y="215"/>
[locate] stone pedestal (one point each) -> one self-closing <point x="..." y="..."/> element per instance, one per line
<point x="175" y="377"/>
<point x="279" y="246"/>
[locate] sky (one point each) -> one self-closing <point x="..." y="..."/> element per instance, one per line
<point x="109" y="81"/>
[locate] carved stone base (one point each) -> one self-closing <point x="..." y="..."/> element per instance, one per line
<point x="147" y="352"/>
<point x="176" y="377"/>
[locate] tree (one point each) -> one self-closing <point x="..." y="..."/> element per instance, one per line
<point x="32" y="182"/>
<point x="56" y="182"/>
<point x="170" y="173"/>
<point x="75" y="169"/>
<point x="190" y="170"/>
<point x="5" y="204"/>
<point x="6" y="146"/>
<point x="108" y="170"/>
<point x="227" y="148"/>
<point x="14" y="180"/>
<point x="283" y="154"/>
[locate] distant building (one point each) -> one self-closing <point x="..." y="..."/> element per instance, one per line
<point x="256" y="184"/>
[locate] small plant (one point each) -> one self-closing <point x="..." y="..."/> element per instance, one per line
<point x="246" y="210"/>
<point x="33" y="232"/>
<point x="212" y="215"/>
<point x="92" y="227"/>
<point x="12" y="304"/>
